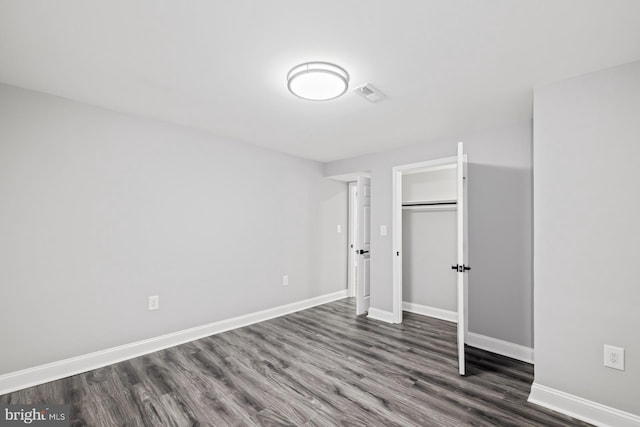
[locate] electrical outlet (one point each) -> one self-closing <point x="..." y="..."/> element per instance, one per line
<point x="154" y="302"/>
<point x="383" y="230"/>
<point x="285" y="280"/>
<point x="339" y="228"/>
<point x="614" y="357"/>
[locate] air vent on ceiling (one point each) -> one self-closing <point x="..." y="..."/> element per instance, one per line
<point x="369" y="92"/>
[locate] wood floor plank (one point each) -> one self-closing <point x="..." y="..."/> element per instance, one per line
<point x="318" y="367"/>
<point x="358" y="373"/>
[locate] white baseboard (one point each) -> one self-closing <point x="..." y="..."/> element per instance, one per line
<point x="505" y="348"/>
<point x="494" y="345"/>
<point x="75" y="365"/>
<point x="425" y="310"/>
<point x="582" y="409"/>
<point x="381" y="315"/>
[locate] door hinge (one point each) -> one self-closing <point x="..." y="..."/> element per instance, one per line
<point x="460" y="268"/>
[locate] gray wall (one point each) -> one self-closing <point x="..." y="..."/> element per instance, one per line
<point x="500" y="225"/>
<point x="586" y="234"/>
<point x="428" y="249"/>
<point x="99" y="210"/>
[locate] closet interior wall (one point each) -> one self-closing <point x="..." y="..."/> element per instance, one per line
<point x="429" y="238"/>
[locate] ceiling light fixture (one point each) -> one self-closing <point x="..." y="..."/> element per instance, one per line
<point x="317" y="81"/>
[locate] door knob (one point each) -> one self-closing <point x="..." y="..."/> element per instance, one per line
<point x="362" y="252"/>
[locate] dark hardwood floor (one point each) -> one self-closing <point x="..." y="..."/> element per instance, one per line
<point x="319" y="367"/>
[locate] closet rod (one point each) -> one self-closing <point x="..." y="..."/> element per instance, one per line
<point x="444" y="203"/>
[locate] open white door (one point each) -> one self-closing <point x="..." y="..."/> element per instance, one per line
<point x="363" y="243"/>
<point x="462" y="260"/>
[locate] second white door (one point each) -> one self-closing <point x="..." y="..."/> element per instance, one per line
<point x="363" y="244"/>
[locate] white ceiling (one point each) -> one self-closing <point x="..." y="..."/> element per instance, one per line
<point x="446" y="65"/>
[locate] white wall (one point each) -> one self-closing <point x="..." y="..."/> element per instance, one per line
<point x="433" y="186"/>
<point x="99" y="210"/>
<point x="500" y="225"/>
<point x="587" y="204"/>
<point x="428" y="251"/>
<point x="429" y="240"/>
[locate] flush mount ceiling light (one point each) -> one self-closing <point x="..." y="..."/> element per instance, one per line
<point x="317" y="81"/>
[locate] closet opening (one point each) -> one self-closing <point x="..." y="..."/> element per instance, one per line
<point x="359" y="235"/>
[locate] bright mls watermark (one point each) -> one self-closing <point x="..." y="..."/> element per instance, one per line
<point x="36" y="415"/>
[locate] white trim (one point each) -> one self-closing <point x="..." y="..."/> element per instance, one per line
<point x="425" y="310"/>
<point x="582" y="409"/>
<point x="381" y="315"/>
<point x="444" y="166"/>
<point x="75" y="365"/>
<point x="396" y="226"/>
<point x="352" y="262"/>
<point x="349" y="177"/>
<point x="505" y="348"/>
<point x="428" y="165"/>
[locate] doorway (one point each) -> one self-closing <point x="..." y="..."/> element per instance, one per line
<point x="435" y="196"/>
<point x="359" y="241"/>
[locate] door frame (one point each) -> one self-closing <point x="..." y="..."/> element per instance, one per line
<point x="352" y="260"/>
<point x="396" y="218"/>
